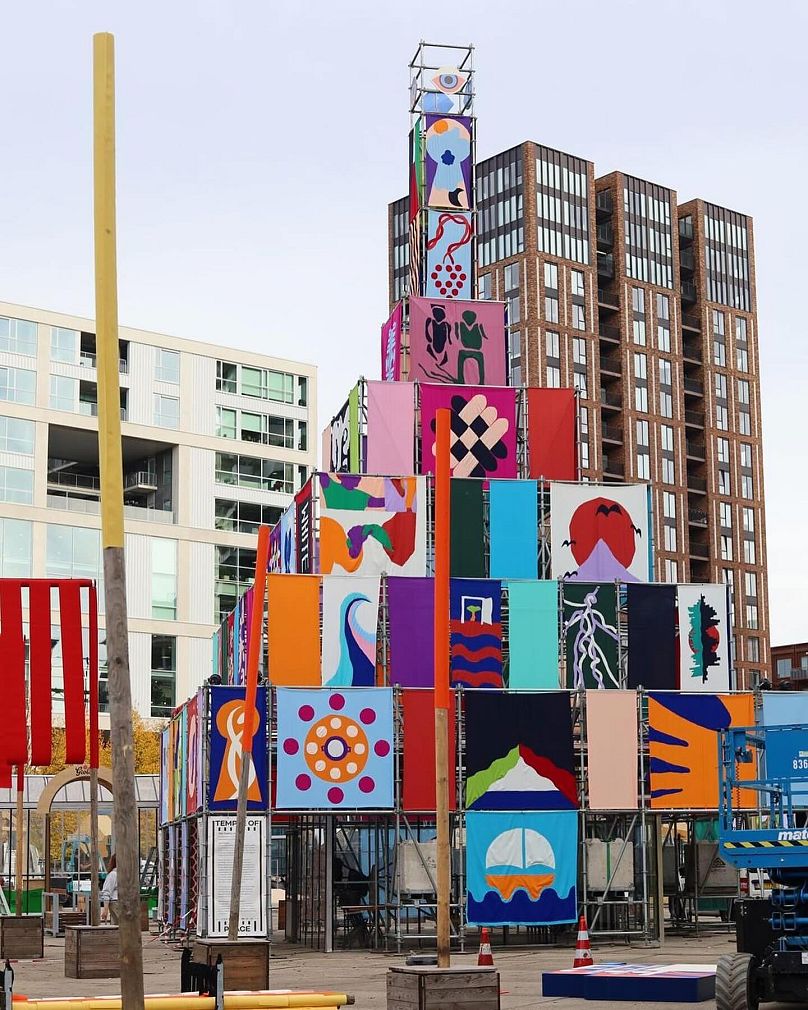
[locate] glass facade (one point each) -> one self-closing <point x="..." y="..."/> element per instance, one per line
<point x="648" y="240"/>
<point x="500" y="221"/>
<point x="163" y="675"/>
<point x="16" y="435"/>
<point x="164" y="579"/>
<point x="726" y="254"/>
<point x="562" y="205"/>
<point x="15" y="549"/>
<point x="18" y="385"/>
<point x="18" y="335"/>
<point x="235" y="571"/>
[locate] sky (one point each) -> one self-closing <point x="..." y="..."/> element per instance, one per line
<point x="259" y="142"/>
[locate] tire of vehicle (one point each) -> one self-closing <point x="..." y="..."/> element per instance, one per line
<point x="734" y="989"/>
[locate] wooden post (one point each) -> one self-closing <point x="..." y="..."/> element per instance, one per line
<point x="111" y="465"/>
<point x="95" y="910"/>
<point x="254" y="643"/>
<point x="444" y="870"/>
<point x="19" y="847"/>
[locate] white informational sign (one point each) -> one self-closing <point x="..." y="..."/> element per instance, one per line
<point x="221" y="839"/>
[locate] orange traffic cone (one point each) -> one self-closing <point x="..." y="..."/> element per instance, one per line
<point x="485" y="958"/>
<point x="583" y="949"/>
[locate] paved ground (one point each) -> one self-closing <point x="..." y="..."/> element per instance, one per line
<point x="364" y="974"/>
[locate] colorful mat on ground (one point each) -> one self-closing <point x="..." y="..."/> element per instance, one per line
<point x="662" y="983"/>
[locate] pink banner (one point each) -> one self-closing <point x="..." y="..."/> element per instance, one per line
<point x="483" y="429"/>
<point x="611" y="755"/>
<point x="391" y="345"/>
<point x="457" y="342"/>
<point x="391" y="427"/>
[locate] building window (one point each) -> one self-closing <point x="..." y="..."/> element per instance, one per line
<point x="753" y="650"/>
<point x="719" y="353"/>
<point x="671" y="570"/>
<point x="251" y="472"/>
<point x="16" y="435"/>
<point x="553" y="377"/>
<point x="725" y="515"/>
<point x="73" y="552"/>
<point x="484" y="287"/>
<point x="579" y="382"/>
<point x="511" y="275"/>
<point x="168" y="366"/>
<point x="640" y="366"/>
<point x="743" y="391"/>
<point x="721" y="417"/>
<point x="720" y="385"/>
<point x="643" y="466"/>
<point x="226" y="420"/>
<point x="668" y="471"/>
<point x="235" y="572"/>
<point x="748" y="519"/>
<point x="551" y="344"/>
<point x="638" y="300"/>
<point x="64" y="344"/>
<point x="746" y="455"/>
<point x="665" y="404"/>
<point x="745" y="422"/>
<point x="666" y="437"/>
<point x="267" y="384"/>
<point x="577" y="284"/>
<point x="164" y="579"/>
<point x="17" y="336"/>
<point x="244" y="517"/>
<point x="726" y="548"/>
<point x="551" y="308"/>
<point x="579" y="350"/>
<point x="16" y="485"/>
<point x="643" y="433"/>
<point x="722" y="447"/>
<point x="578" y="317"/>
<point x="641" y="399"/>
<point x="747" y="490"/>
<point x="514" y="310"/>
<point x="15" y="548"/>
<point x="669" y="505"/>
<point x="226" y="377"/>
<point x="752" y="616"/>
<point x="741" y="359"/>
<point x="166" y="411"/>
<point x="638" y="331"/>
<point x="729" y="577"/>
<point x="749" y="552"/>
<point x="163" y="675"/>
<point x="18" y="385"/>
<point x="64" y="392"/>
<point x="724" y="483"/>
<point x="740" y="330"/>
<point x="669" y="533"/>
<point x="664" y="372"/>
<point x="663" y="307"/>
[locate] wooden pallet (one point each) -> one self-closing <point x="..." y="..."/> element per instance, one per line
<point x="92" y="952"/>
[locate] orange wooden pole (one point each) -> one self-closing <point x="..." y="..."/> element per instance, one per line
<point x="443" y="419"/>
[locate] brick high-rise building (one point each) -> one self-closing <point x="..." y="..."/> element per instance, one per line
<point x="648" y="307"/>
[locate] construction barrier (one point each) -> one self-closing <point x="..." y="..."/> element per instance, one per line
<point x="277" y="999"/>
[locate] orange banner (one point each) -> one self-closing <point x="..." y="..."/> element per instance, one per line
<point x="294" y="630"/>
<point x="683" y="745"/>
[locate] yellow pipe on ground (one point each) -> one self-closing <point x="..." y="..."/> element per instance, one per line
<point x="278" y="1000"/>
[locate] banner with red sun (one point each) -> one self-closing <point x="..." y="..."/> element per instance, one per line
<point x="600" y="532"/>
<point x="335" y="749"/>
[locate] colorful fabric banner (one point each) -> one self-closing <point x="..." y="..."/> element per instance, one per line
<point x="466" y="529"/>
<point x="411" y="623"/>
<point x="325" y="448"/>
<point x="339" y="458"/>
<point x="519" y="751"/>
<point x="599" y="532"/>
<point x="683" y="747"/>
<point x="274" y="562"/>
<point x="193" y="752"/>
<point x="72" y="672"/>
<point x="355" y="462"/>
<point x="449" y="244"/>
<point x="391" y="427"/>
<point x="418" y="793"/>
<point x="178" y="759"/>
<point x="304" y="522"/>
<point x="787" y="746"/>
<point x="40" y="673"/>
<point x="448" y="162"/>
<point x="293" y="630"/>
<point x="514" y="528"/>
<point x="591" y="636"/>
<point x="703" y="638"/>
<point x="391" y="345"/>
<point x="521" y="867"/>
<point x="483" y="436"/>
<point x="372" y="525"/>
<point x="226" y="730"/>
<point x="350" y="626"/>
<point x="612" y="745"/>
<point x="652" y="637"/>
<point x="165" y="765"/>
<point x="335" y="749"/>
<point x="551" y="443"/>
<point x="532" y="635"/>
<point x="244" y="619"/>
<point x="475" y="632"/>
<point x="288" y="525"/>
<point x="457" y="342"/>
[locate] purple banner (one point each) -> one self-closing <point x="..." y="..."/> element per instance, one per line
<point x="411" y="615"/>
<point x="391" y="345"/>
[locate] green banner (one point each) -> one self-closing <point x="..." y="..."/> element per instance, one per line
<point x="467" y="543"/>
<point x="353" y="426"/>
<point x="590" y="631"/>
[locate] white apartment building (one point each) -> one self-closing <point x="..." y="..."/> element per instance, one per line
<point x="215" y="442"/>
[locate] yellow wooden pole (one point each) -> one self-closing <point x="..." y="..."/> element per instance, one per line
<point x="110" y="455"/>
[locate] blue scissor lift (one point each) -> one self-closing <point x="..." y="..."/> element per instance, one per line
<point x="772" y="931"/>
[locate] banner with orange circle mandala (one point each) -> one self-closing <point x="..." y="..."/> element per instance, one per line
<point x="335" y="749"/>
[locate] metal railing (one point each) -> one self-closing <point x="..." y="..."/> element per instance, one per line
<point x="694" y="417"/>
<point x="695" y="449"/>
<point x="87" y="482"/>
<point x="605" y="265"/>
<point x="688" y="291"/>
<point x="692" y="350"/>
<point x="696" y="517"/>
<point x="687" y="261"/>
<point x="686" y="229"/>
<point x="696" y="483"/>
<point x="610" y="399"/>
<point x="91" y="506"/>
<point x="139" y="478"/>
<point x="694" y="386"/>
<point x="613" y="432"/>
<point x="89" y="360"/>
<point x="609" y="331"/>
<point x="611" y="364"/>
<point x="604" y="202"/>
<point x="88" y="407"/>
<point x="608" y="298"/>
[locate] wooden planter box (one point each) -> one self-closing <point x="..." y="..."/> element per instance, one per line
<point x="92" y="952"/>
<point x="22" y="936"/>
<point x="429" y="988"/>
<point x="246" y="962"/>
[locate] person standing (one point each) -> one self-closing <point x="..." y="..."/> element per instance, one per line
<point x="109" y="892"/>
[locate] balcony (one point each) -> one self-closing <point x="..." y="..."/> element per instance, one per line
<point x="608" y="300"/>
<point x="612" y="433"/>
<point x="610" y="365"/>
<point x="606" y="266"/>
<point x="691" y="351"/>
<point x="696" y="484"/>
<point x="613" y="468"/>
<point x="611" y="400"/>
<point x="605" y="236"/>
<point x="76" y="481"/>
<point x="696" y="517"/>
<point x="141" y="481"/>
<point x="88" y="407"/>
<point x="89" y="360"/>
<point x="688" y="292"/>
<point x="686" y="229"/>
<point x="796" y="673"/>
<point x="699" y="549"/>
<point x="693" y="387"/>
<point x="695" y="450"/>
<point x="694" y="419"/>
<point x="691" y="321"/>
<point x="687" y="261"/>
<point x="604" y="205"/>
<point x="610" y="332"/>
<point x="92" y="506"/>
